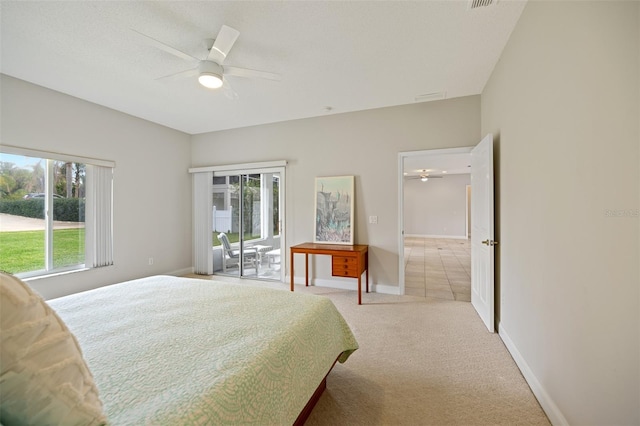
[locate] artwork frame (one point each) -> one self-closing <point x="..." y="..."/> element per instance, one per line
<point x="334" y="210"/>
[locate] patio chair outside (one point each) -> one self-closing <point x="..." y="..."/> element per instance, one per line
<point x="231" y="257"/>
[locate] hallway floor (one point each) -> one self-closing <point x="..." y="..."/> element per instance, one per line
<point x="438" y="267"/>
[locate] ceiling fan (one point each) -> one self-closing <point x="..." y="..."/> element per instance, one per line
<point x="211" y="71"/>
<point x="424" y="177"/>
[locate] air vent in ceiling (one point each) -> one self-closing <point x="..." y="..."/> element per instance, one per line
<point x="435" y="96"/>
<point x="475" y="4"/>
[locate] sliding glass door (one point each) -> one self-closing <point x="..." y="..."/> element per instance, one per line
<point x="247" y="223"/>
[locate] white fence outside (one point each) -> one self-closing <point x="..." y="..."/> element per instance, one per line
<point x="222" y="220"/>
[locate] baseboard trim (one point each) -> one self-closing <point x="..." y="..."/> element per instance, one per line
<point x="451" y="237"/>
<point x="181" y="272"/>
<point x="386" y="289"/>
<point x="546" y="402"/>
<point x="351" y="285"/>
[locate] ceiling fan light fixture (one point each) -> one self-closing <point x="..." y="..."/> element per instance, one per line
<point x="210" y="75"/>
<point x="424" y="178"/>
<point x="210" y="81"/>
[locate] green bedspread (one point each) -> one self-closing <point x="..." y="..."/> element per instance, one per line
<point x="179" y="351"/>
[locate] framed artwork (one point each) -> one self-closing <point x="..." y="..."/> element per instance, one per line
<point x="334" y="210"/>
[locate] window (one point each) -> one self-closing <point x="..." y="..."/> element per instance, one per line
<point x="218" y="200"/>
<point x="250" y="193"/>
<point x="56" y="212"/>
<point x="259" y="207"/>
<point x="250" y="214"/>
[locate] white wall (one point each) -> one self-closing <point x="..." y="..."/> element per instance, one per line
<point x="564" y="104"/>
<point x="152" y="187"/>
<point x="437" y="207"/>
<point x="364" y="144"/>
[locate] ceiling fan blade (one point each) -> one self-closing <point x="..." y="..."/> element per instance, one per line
<point x="180" y="74"/>
<point x="162" y="46"/>
<point x="423" y="177"/>
<point x="228" y="90"/>
<point x="248" y="73"/>
<point x="223" y="44"/>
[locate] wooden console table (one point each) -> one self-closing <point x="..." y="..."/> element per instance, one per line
<point x="346" y="261"/>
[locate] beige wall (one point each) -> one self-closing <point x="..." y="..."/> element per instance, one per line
<point x="364" y="144"/>
<point x="436" y="208"/>
<point x="563" y="104"/>
<point x="152" y="188"/>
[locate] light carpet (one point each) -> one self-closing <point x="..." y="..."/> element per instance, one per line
<point x="422" y="361"/>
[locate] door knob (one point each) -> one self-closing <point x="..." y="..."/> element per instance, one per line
<point x="490" y="243"/>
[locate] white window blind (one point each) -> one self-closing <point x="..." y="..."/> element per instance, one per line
<point x="202" y="222"/>
<point x="99" y="216"/>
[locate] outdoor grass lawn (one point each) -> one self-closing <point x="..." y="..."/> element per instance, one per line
<point x="234" y="237"/>
<point x="23" y="251"/>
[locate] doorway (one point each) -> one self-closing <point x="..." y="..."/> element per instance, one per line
<point x="482" y="217"/>
<point x="434" y="247"/>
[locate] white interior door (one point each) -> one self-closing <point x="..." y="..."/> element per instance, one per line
<point x="482" y="242"/>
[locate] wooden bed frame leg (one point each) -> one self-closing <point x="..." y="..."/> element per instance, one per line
<point x="306" y="411"/>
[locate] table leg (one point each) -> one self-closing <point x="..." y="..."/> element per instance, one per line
<point x="291" y="269"/>
<point x="306" y="269"/>
<point x="360" y="289"/>
<point x="366" y="267"/>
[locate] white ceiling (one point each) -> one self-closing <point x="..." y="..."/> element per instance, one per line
<point x="347" y="55"/>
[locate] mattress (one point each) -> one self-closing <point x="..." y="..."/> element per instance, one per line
<point x="166" y="350"/>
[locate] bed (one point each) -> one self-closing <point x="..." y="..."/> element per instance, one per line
<point x="167" y="350"/>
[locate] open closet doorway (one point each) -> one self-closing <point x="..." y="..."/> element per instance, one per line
<point x="435" y="248"/>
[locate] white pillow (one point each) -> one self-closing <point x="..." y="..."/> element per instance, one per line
<point x="44" y="379"/>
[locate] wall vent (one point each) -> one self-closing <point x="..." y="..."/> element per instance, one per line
<point x="435" y="96"/>
<point x="475" y="4"/>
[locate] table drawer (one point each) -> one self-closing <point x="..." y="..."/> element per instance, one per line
<point x="342" y="266"/>
<point x="344" y="261"/>
<point x="345" y="272"/>
<point x="351" y="273"/>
